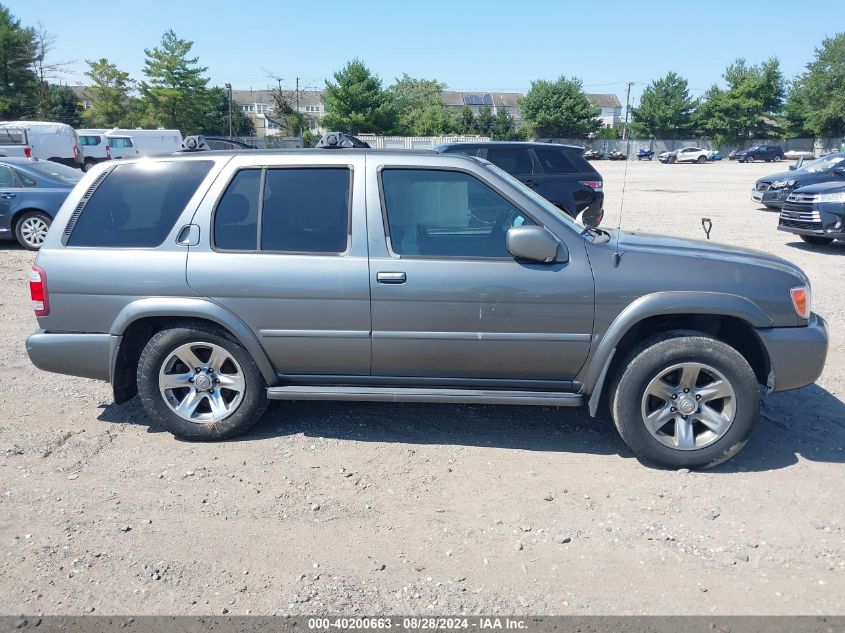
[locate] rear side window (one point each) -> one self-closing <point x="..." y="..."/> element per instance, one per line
<point x="118" y="142"/>
<point x="306" y="210"/>
<point x="555" y="161"/>
<point x="88" y="140"/>
<point x="138" y="204"/>
<point x="26" y="179"/>
<point x="464" y="151"/>
<point x="512" y="160"/>
<point x="7" y="178"/>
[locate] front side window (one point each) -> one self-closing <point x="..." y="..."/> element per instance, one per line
<point x="438" y="213"/>
<point x="138" y="204"/>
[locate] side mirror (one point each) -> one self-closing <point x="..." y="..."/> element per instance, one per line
<point x="839" y="170"/>
<point x="536" y="244"/>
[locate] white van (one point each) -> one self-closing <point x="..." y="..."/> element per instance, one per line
<point x="100" y="145"/>
<point x="150" y="142"/>
<point x="49" y="141"/>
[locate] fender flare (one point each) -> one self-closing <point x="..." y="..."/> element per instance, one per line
<point x="197" y="308"/>
<point x="657" y="304"/>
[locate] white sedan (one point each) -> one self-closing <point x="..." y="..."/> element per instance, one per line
<point x="685" y="155"/>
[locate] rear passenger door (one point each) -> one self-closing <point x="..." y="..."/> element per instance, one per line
<point x="286" y="251"/>
<point x="561" y="180"/>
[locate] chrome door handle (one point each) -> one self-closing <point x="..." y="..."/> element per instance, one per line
<point x="7" y="196"/>
<point x="391" y="278"/>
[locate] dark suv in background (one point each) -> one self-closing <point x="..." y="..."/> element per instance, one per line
<point x="559" y="173"/>
<point x="760" y="152"/>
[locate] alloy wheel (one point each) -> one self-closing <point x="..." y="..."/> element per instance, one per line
<point x="202" y="382"/>
<point x="688" y="406"/>
<point x="33" y="230"/>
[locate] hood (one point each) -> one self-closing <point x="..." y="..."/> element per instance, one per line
<point x="667" y="245"/>
<point x="824" y="187"/>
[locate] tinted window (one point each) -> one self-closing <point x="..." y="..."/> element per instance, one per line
<point x="25" y="179"/>
<point x="120" y="142"/>
<point x="137" y="204"/>
<point x="306" y="210"/>
<point x="87" y="141"/>
<point x="236" y="218"/>
<point x="56" y="171"/>
<point x="466" y="151"/>
<point x="7" y="178"/>
<point x="513" y="161"/>
<point x="434" y="213"/>
<point x="554" y="161"/>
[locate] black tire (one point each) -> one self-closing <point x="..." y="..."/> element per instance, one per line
<point x="701" y="160"/>
<point x="24" y="225"/>
<point x="778" y="158"/>
<point x="817" y="241"/>
<point x="88" y="165"/>
<point x="671" y="160"/>
<point x="160" y="347"/>
<point x="662" y="352"/>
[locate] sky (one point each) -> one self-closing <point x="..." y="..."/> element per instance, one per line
<point x="468" y="44"/>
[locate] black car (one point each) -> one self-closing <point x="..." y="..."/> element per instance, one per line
<point x="559" y="173"/>
<point x="772" y="191"/>
<point x="767" y="153"/>
<point x="816" y="213"/>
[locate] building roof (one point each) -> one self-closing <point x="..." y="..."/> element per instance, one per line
<point x="605" y="100"/>
<point x="458" y="99"/>
<point x="81" y="92"/>
<point x="306" y="97"/>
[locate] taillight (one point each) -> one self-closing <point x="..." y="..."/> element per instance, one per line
<point x="38" y="291"/>
<point x="595" y="184"/>
<point x="27" y="151"/>
<point x="75" y="152"/>
<point x="108" y="152"/>
<point x="801" y="301"/>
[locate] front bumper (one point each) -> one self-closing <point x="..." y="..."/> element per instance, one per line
<point x="770" y="197"/>
<point x="86" y="355"/>
<point x="796" y="354"/>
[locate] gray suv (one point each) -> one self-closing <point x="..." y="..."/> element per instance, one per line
<point x="210" y="283"/>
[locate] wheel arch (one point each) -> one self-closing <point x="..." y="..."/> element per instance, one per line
<point x="729" y="318"/>
<point x="141" y="319"/>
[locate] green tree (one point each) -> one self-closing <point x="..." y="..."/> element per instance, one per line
<point x="665" y="109"/>
<point x="484" y="121"/>
<point x="109" y="94"/>
<point x="465" y="122"/>
<point x="215" y="120"/>
<point x="504" y="128"/>
<point x="559" y="109"/>
<point x="175" y="94"/>
<point x="63" y="106"/>
<point x="18" y="85"/>
<point x="816" y="100"/>
<point x="745" y="109"/>
<point x="420" y="107"/>
<point x="356" y="102"/>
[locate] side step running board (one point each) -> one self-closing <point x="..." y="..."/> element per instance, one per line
<point x="414" y="394"/>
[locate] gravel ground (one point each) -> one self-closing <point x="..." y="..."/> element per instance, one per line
<point x="356" y="508"/>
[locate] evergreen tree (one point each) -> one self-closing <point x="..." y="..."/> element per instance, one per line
<point x="665" y="109"/>
<point x="559" y="109"/>
<point x="109" y="94"/>
<point x="816" y="101"/>
<point x="356" y="102"/>
<point x="63" y="106"/>
<point x="18" y="85"/>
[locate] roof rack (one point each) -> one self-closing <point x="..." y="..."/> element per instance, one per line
<point x="339" y="140"/>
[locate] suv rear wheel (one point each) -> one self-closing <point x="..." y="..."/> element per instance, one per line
<point x="200" y="384"/>
<point x="685" y="400"/>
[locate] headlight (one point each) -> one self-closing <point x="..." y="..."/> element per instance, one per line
<point x="831" y="197"/>
<point x="801" y="299"/>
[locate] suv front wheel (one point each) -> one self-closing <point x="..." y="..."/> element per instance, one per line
<point x="685" y="400"/>
<point x="199" y="383"/>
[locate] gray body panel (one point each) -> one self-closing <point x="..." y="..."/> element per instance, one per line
<point x="425" y="329"/>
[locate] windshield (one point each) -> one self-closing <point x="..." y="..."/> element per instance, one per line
<point x="55" y="171"/>
<point x="528" y="191"/>
<point x="824" y="164"/>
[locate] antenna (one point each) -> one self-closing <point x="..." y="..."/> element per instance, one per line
<point x="617" y="258"/>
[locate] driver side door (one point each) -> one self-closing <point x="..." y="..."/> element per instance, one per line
<point x="448" y="300"/>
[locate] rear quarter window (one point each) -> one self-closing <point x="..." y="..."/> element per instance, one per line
<point x="137" y="204"/>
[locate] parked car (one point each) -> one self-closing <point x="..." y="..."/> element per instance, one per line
<point x="645" y="154"/>
<point x="773" y="190"/>
<point x="732" y="154"/>
<point x="767" y="153"/>
<point x="31" y="192"/>
<point x="556" y="172"/>
<point x="816" y="213"/>
<point x="714" y="155"/>
<point x="140" y="142"/>
<point x="406" y="276"/>
<point x="48" y="141"/>
<point x="616" y="154"/>
<point x="796" y="154"/>
<point x="593" y="154"/>
<point x="684" y="155"/>
<point x="100" y="146"/>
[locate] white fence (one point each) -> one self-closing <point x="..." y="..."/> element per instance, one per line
<point x="415" y="142"/>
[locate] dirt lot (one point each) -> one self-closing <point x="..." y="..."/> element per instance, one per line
<point x="380" y="508"/>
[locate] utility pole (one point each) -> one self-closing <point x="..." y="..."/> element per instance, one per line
<point x="229" y="88"/>
<point x="627" y="110"/>
<point x="298" y="119"/>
